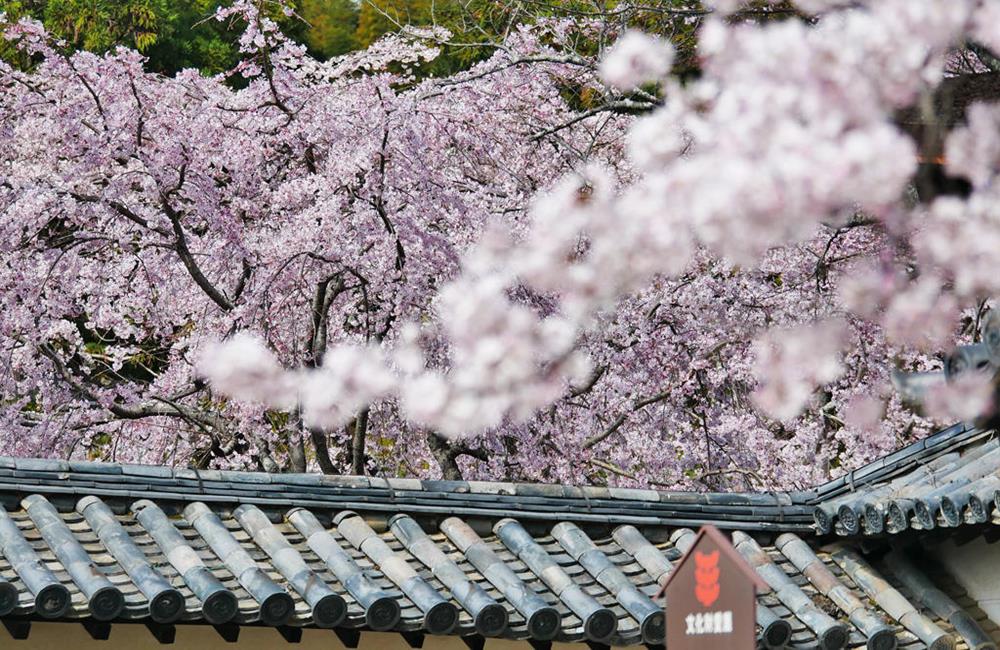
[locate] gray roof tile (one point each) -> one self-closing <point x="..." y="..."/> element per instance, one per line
<point x="539" y="490"/>
<point x="338" y="481"/>
<point x="572" y="564"/>
<point x="147" y="471"/>
<point x="90" y="467"/>
<point x="492" y="487"/>
<point x="449" y="487"/>
<point x="545" y="586"/>
<point x="248" y="477"/>
<point x="956" y="482"/>
<point x="634" y="495"/>
<point x="408" y="484"/>
<point x="41" y="465"/>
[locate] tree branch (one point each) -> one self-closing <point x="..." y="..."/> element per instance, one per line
<point x="614" y="107"/>
<point x="153" y="408"/>
<point x="609" y="467"/>
<point x="123" y="210"/>
<point x="637" y="405"/>
<point x="322" y="301"/>
<point x="577" y="391"/>
<point x="296" y="452"/>
<point x="181" y="246"/>
<point x="241" y="285"/>
<point x="747" y="474"/>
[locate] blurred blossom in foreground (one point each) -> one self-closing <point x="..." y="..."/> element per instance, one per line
<point x="865" y="413"/>
<point x="792" y="363"/>
<point x="636" y="59"/>
<point x="243" y="366"/>
<point x="963" y="399"/>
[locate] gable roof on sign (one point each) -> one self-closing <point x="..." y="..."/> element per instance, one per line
<point x="726" y="547"/>
<point x="105" y="544"/>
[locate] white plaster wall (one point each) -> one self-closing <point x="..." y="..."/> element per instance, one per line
<point x="976" y="566"/>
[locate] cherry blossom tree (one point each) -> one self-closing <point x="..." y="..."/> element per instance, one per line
<point x="477" y="276"/>
<point x="144" y="216"/>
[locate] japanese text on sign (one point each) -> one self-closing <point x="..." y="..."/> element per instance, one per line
<point x="709" y="623"/>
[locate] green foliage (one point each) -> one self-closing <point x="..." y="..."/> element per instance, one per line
<point x="96" y="25"/>
<point x="190" y="38"/>
<point x="14" y="10"/>
<point x="478" y="25"/>
<point x="474" y="24"/>
<point x="331" y="26"/>
<point x="163" y="30"/>
<point x="173" y="34"/>
<point x="179" y="34"/>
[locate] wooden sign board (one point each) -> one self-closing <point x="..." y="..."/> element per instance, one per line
<point x="711" y="601"/>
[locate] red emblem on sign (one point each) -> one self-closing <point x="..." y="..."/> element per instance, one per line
<point x="706" y="577"/>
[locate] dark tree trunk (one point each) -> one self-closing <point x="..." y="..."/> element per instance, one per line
<point x="318" y="437"/>
<point x="445" y="454"/>
<point x="358" y="444"/>
<point x="296" y="452"/>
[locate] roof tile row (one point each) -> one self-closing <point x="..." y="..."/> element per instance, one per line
<point x="961" y="485"/>
<point x="306" y="570"/>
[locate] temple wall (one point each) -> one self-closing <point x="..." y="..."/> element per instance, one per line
<point x="976" y="566"/>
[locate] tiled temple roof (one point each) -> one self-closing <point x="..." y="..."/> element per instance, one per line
<point x="952" y="484"/>
<point x="103" y="544"/>
<point x="241" y="567"/>
<point x="605" y="506"/>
